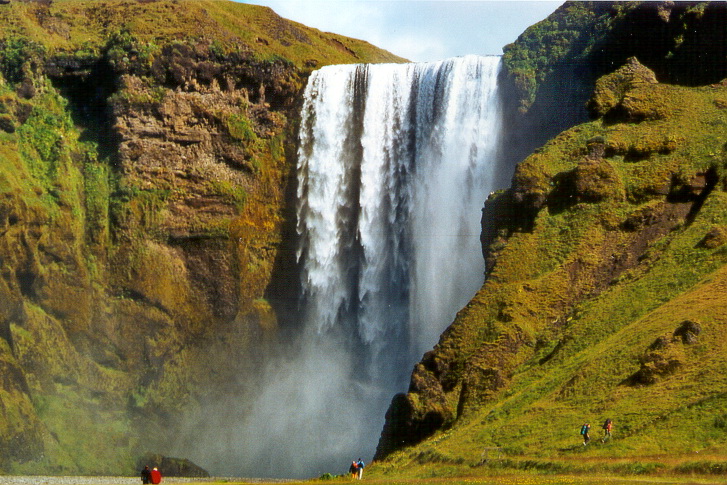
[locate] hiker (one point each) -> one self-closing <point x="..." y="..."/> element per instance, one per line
<point x="607" y="427"/>
<point x="360" y="467"/>
<point x="353" y="469"/>
<point x="585" y="429"/>
<point x="156" y="476"/>
<point x="145" y="475"/>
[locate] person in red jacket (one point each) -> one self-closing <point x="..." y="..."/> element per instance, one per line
<point x="607" y="427"/>
<point x="156" y="476"/>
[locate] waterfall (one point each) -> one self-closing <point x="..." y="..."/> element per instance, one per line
<point x="395" y="162"/>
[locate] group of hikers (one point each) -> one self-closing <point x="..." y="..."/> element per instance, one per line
<point x="586" y="429"/>
<point x="152" y="476"/>
<point x="356" y="469"/>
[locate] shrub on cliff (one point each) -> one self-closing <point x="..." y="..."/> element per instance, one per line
<point x="19" y="58"/>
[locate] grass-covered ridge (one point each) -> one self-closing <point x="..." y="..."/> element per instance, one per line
<point x="551" y="69"/>
<point x="604" y="299"/>
<point x="82" y="29"/>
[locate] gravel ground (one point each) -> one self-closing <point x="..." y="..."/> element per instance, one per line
<point x="39" y="480"/>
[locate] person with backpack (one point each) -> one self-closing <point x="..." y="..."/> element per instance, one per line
<point x="585" y="430"/>
<point x="360" y="467"/>
<point x="353" y="469"/>
<point x="146" y="475"/>
<point x="607" y="427"/>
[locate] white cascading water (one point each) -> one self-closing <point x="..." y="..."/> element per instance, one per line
<point x="395" y="163"/>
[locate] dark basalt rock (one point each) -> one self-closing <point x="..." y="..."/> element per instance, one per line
<point x="688" y="331"/>
<point x="405" y="427"/>
<point x="172" y="467"/>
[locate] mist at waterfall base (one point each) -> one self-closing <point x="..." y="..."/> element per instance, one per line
<point x="395" y="162"/>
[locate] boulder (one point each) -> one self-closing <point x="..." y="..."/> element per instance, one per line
<point x="716" y="237"/>
<point x="611" y="90"/>
<point x="595" y="180"/>
<point x="172" y="467"/>
<point x="688" y="331"/>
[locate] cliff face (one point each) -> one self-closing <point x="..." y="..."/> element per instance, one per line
<point x="605" y="252"/>
<point x="144" y="168"/>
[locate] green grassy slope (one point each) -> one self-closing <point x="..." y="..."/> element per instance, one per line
<point x="605" y="299"/>
<point x="84" y="27"/>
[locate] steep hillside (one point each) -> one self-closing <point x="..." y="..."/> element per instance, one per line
<point x="553" y="65"/>
<point x="145" y="159"/>
<point x="604" y="291"/>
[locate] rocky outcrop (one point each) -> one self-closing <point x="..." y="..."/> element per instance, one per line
<point x="171" y="467"/>
<point x="551" y="70"/>
<point x="609" y="98"/>
<point x="665" y="356"/>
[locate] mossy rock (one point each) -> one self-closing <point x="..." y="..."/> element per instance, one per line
<point x="596" y="181"/>
<point x="716" y="237"/>
<point x="479" y="384"/>
<point x="408" y="422"/>
<point x="20" y="429"/>
<point x="531" y="184"/>
<point x="172" y="467"/>
<point x="156" y="275"/>
<point x="665" y="356"/>
<point x="44" y="351"/>
<point x="7" y="124"/>
<point x="611" y="90"/>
